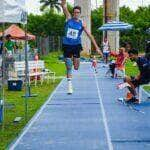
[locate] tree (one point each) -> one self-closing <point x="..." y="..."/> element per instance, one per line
<point x="47" y="24"/>
<point x="52" y="4"/>
<point x="51" y="23"/>
<point x="140" y="20"/>
<point x="97" y="21"/>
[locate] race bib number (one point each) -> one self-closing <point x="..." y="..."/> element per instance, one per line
<point x="72" y="33"/>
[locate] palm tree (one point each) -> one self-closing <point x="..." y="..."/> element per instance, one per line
<point x="52" y="4"/>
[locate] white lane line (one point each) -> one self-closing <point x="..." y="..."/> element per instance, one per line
<point x="25" y="130"/>
<point x="110" y="145"/>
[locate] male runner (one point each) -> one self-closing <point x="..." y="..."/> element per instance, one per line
<point x="74" y="27"/>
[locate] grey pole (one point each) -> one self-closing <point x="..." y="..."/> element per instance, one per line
<point x="27" y="86"/>
<point x="2" y="96"/>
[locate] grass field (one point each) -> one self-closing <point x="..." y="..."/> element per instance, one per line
<point x="130" y="69"/>
<point x="11" y="129"/>
<point x="52" y="63"/>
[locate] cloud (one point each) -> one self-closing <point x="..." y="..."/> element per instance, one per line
<point x="34" y="5"/>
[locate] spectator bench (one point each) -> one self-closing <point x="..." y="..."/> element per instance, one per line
<point x="37" y="71"/>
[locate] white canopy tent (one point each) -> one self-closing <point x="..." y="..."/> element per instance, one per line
<point x="13" y="11"/>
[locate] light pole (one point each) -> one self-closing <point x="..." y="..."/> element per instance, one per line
<point x="142" y="3"/>
<point x="96" y="4"/>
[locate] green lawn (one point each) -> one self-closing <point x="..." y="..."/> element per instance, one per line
<point x="54" y="64"/>
<point x="147" y="88"/>
<point x="130" y="69"/>
<point x="11" y="130"/>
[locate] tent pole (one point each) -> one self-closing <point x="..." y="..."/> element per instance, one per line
<point x="27" y="82"/>
<point x="26" y="76"/>
<point x="2" y="96"/>
<point x="28" y="94"/>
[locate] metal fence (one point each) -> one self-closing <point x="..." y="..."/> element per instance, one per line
<point x="8" y="62"/>
<point x="49" y="44"/>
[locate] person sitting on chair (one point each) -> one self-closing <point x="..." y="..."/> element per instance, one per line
<point x="119" y="63"/>
<point x="143" y="77"/>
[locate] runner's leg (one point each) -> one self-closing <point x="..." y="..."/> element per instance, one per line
<point x="76" y="56"/>
<point x="76" y="63"/>
<point x="68" y="63"/>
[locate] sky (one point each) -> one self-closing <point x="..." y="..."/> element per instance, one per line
<point x="34" y="5"/>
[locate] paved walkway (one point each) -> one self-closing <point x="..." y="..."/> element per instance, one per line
<point x="90" y="119"/>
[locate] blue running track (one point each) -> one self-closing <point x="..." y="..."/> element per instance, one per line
<point x="89" y="119"/>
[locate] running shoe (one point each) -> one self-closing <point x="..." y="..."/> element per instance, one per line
<point x="133" y="100"/>
<point x="70" y="88"/>
<point x="129" y="96"/>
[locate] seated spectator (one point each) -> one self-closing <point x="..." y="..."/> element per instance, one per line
<point x="143" y="77"/>
<point x="120" y="61"/>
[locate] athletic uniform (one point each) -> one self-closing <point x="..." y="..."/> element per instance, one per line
<point x="72" y="46"/>
<point x="72" y="39"/>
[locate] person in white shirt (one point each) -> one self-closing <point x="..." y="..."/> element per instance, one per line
<point x="106" y="50"/>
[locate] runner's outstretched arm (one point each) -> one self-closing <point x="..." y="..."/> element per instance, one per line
<point x="92" y="39"/>
<point x="65" y="9"/>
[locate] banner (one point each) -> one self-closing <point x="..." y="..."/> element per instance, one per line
<point x="13" y="11"/>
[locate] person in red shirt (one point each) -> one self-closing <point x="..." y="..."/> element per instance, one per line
<point x="120" y="61"/>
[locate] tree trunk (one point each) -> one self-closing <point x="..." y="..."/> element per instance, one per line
<point x="85" y="16"/>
